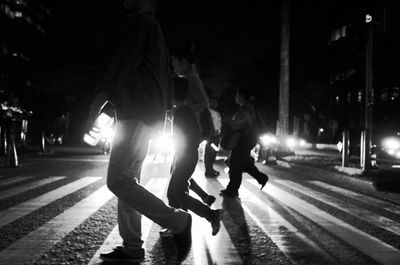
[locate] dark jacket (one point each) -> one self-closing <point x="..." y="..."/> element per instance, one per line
<point x="138" y="78"/>
<point x="186" y="128"/>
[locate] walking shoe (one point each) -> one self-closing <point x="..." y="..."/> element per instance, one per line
<point x="183" y="240"/>
<point x="209" y="200"/>
<point x="165" y="232"/>
<point x="229" y="193"/>
<point x="117" y="255"/>
<point x="216" y="221"/>
<point x="264" y="181"/>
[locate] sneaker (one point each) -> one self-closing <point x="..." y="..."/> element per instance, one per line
<point x="216" y="221"/>
<point x="264" y="181"/>
<point x="209" y="200"/>
<point x="183" y="240"/>
<point x="229" y="193"/>
<point x="165" y="232"/>
<point x="117" y="255"/>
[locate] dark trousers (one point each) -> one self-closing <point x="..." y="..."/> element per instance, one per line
<point x="178" y="188"/>
<point x="241" y="161"/>
<point x="210" y="154"/>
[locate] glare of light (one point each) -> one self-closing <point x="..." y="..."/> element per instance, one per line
<point x="391" y="143"/>
<point x="302" y="143"/>
<point x="104" y="121"/>
<point x="290" y="142"/>
<point x="391" y="152"/>
<point x="396" y="166"/>
<point x="339" y="146"/>
<point x="90" y="140"/>
<point x="321" y="130"/>
<point x="368" y="18"/>
<point x="108" y="133"/>
<point x="398" y="154"/>
<point x="268" y="139"/>
<point x="165" y="144"/>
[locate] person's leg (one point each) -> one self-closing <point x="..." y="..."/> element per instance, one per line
<point x="130" y="230"/>
<point x="127" y="155"/>
<point x="236" y="163"/>
<point x="250" y="168"/>
<point x="177" y="194"/>
<point x="209" y="158"/>
<point x="204" y="196"/>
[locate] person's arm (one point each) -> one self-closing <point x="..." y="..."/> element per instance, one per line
<point x="197" y="93"/>
<point x="127" y="58"/>
<point x="95" y="107"/>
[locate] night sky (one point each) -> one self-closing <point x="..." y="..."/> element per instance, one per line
<point x="236" y="42"/>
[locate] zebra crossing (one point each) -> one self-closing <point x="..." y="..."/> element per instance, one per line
<point x="290" y="222"/>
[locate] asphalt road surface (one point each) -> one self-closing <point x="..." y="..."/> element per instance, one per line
<point x="56" y="209"/>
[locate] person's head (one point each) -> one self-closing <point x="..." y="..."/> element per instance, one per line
<point x="243" y="95"/>
<point x="139" y="6"/>
<point x="183" y="59"/>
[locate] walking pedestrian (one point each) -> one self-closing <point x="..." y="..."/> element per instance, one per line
<point x="212" y="145"/>
<point x="137" y="83"/>
<point x="187" y="137"/>
<point x="243" y="124"/>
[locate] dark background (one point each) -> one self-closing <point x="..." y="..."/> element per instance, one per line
<point x="237" y="43"/>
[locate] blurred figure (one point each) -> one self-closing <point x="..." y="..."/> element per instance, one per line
<point x="212" y="145"/>
<point x="243" y="124"/>
<point x="137" y="83"/>
<point x="183" y="60"/>
<point x="187" y="139"/>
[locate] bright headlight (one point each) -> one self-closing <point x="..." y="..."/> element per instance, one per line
<point x="103" y="121"/>
<point x="391" y="143"/>
<point x="165" y="144"/>
<point x="268" y="139"/>
<point x="291" y="142"/>
<point x="108" y="133"/>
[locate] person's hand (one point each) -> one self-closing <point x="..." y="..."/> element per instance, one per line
<point x="95" y="108"/>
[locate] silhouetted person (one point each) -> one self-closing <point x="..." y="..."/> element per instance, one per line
<point x="137" y="83"/>
<point x="211" y="149"/>
<point x="243" y="123"/>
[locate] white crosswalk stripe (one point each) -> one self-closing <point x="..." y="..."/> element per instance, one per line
<point x="353" y="210"/>
<point x="221" y="249"/>
<point x="15" y="212"/>
<point x="42" y="239"/>
<point x="370" y="246"/>
<point x="360" y="197"/>
<point x="157" y="187"/>
<point x="27" y="186"/>
<point x="13" y="180"/>
<point x="271" y="223"/>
